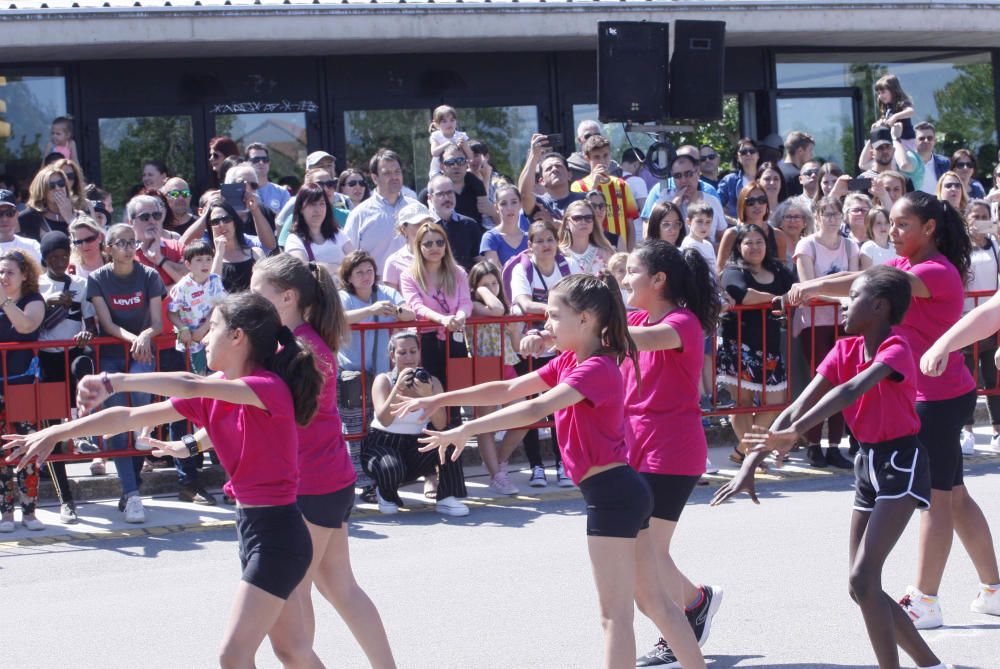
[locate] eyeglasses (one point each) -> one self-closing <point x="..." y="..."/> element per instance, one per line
<point x="178" y="193"/>
<point x="809" y="173"/>
<point x="431" y="243"/>
<point x="58" y="183"/>
<point x="757" y="199"/>
<point x="711" y="156"/>
<point x="747" y="152"/>
<point x="256" y="160"/>
<point x="331" y="183"/>
<point x="445" y="193"/>
<point x="793" y="217"/>
<point x="70" y="175"/>
<point x="951" y="185"/>
<point x="354" y="182"/>
<point x="582" y="218"/>
<point x="964" y="165"/>
<point x="85" y="240"/>
<point x="451" y="162"/>
<point x="857" y="210"/>
<point x="830" y="214"/>
<point x="687" y="174"/>
<point x="220" y="220"/>
<point x="598" y="205"/>
<point x="8" y="212"/>
<point x="147" y="216"/>
<point x="124" y="244"/>
<point x="253" y="184"/>
<point x="928" y="138"/>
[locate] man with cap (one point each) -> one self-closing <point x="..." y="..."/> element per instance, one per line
<point x="69" y="315"/>
<point x="322" y="160"/>
<point x="8" y="224"/>
<point x="409" y="220"/>
<point x="884" y="152"/>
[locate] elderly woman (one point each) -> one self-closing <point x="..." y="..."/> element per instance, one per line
<point x="50" y="205"/>
<point x="856" y="206"/>
<point x="794" y="218"/>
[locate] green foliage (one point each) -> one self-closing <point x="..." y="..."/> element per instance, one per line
<point x="720" y="135"/>
<point x="966" y="107"/>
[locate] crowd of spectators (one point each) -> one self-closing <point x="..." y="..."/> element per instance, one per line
<point x="473" y="243"/>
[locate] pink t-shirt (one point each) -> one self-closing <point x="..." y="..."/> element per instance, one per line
<point x="930" y="317"/>
<point x="592" y="432"/>
<point x="324" y="462"/>
<point x="664" y="432"/>
<point x="886" y="411"/>
<point x="257" y="447"/>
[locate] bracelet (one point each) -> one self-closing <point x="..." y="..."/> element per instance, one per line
<point x="107" y="383"/>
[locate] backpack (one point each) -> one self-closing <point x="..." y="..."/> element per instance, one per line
<point x="524" y="260"/>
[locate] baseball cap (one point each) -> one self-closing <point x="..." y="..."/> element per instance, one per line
<point x="880" y="137"/>
<point x="8" y="197"/>
<point x="317" y="156"/>
<point x="414" y="213"/>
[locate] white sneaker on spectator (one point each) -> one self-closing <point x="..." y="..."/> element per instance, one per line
<point x="995" y="443"/>
<point x="502" y="484"/>
<point x="134" y="513"/>
<point x="710" y="468"/>
<point x="987" y="601"/>
<point x="924" y="610"/>
<point x="97" y="468"/>
<point x="450" y="506"/>
<point x="385" y="507"/>
<point x="33" y="524"/>
<point x="562" y="480"/>
<point x="6" y="526"/>
<point x="537" y="479"/>
<point x="968" y="442"/>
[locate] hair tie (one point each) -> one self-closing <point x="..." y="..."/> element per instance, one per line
<point x="285" y="336"/>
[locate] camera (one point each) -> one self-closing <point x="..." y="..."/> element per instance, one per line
<point x="422" y="375"/>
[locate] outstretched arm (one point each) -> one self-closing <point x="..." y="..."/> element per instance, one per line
<point x="92" y="391"/>
<point x="485" y="394"/>
<point x="979" y="323"/>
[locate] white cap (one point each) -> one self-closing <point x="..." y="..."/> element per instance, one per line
<point x="414" y="213"/>
<point x="317" y="156"/>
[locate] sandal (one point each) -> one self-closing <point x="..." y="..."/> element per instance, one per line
<point x="737" y="456"/>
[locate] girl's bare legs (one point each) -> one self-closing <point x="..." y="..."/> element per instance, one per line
<point x="253" y="614"/>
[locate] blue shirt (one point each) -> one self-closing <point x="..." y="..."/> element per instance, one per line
<point x="273" y="196"/>
<point x="376" y="341"/>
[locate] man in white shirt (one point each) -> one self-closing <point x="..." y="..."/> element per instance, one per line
<point x="371" y="226"/>
<point x="8" y="224"/>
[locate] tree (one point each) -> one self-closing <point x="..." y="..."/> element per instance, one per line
<point x="966" y="114"/>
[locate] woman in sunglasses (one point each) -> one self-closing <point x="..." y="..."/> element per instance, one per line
<point x="950" y="189"/>
<point x="234" y="254"/>
<point x="744" y="162"/>
<point x="50" y="205"/>
<point x="76" y="182"/>
<point x="353" y="186"/>
<point x="753" y="207"/>
<point x="963" y="163"/>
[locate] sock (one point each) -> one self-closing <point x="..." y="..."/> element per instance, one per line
<point x="697" y="602"/>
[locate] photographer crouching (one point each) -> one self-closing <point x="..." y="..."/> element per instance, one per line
<point x="389" y="453"/>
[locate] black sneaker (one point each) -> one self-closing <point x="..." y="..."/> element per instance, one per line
<point x="814" y="453"/>
<point x="196" y="494"/>
<point x="368" y="494"/>
<point x="660" y="656"/>
<point x="121" y="503"/>
<point x="701" y="616"/>
<point x="836" y="458"/>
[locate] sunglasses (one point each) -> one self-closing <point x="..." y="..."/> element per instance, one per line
<point x="757" y="199"/>
<point x="331" y="183"/>
<point x="148" y="216"/>
<point x="220" y="220"/>
<point x="451" y="162"/>
<point x="260" y="159"/>
<point x="747" y="152"/>
<point x="711" y="156"/>
<point x="58" y="183"/>
<point x="124" y="244"/>
<point x="354" y="182"/>
<point x="810" y="173"/>
<point x="178" y="193"/>
<point x="8" y="213"/>
<point x="598" y="205"/>
<point x="581" y="218"/>
<point x="215" y="155"/>
<point x="951" y="185"/>
<point x="85" y="240"/>
<point x="253" y="184"/>
<point x="925" y="139"/>
<point x="431" y="243"/>
<point x="687" y="174"/>
<point x="964" y="165"/>
<point x="70" y="175"/>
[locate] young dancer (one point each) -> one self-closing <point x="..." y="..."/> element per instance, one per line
<point x="250" y="411"/>
<point x="677" y="303"/>
<point x="868" y="376"/>
<point x="583" y="387"/>
<point x="933" y="246"/>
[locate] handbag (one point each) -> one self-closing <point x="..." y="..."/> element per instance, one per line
<point x="55" y="315"/>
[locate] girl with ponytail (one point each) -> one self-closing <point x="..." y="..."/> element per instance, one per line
<point x="267" y="386"/>
<point x="677" y="307"/>
<point x="308" y="303"/>
<point x="933" y="244"/>
<point x="583" y="387"/>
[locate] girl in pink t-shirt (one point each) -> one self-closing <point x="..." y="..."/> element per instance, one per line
<point x="934" y="250"/>
<point x="583" y="387"/>
<point x="308" y="303"/>
<point x="872" y="378"/>
<point x="251" y="410"/>
<point x="677" y="304"/>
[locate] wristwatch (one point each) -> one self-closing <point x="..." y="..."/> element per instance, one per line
<point x="191" y="444"/>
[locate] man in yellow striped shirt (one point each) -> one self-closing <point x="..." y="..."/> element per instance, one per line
<point x="619" y="225"/>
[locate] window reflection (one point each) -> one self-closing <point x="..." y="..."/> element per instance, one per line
<point x="283" y="133"/>
<point x="29" y="101"/>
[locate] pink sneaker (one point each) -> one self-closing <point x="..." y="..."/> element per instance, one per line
<point x="502" y="484"/>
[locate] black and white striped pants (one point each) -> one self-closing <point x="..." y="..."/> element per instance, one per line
<point x="393" y="459"/>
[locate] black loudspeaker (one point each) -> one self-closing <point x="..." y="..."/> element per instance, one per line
<point x="696" y="70"/>
<point x="632" y="63"/>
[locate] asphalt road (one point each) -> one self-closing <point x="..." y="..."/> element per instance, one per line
<point x="505" y="588"/>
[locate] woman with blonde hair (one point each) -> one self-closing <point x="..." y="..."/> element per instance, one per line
<point x="87" y="240"/>
<point x="951" y="189"/>
<point x="76" y="181"/>
<point x="50" y="204"/>
<point x="582" y="239"/>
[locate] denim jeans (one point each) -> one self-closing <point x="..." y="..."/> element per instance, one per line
<point x="128" y="468"/>
<point x="172" y="360"/>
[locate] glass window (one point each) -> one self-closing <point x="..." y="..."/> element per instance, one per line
<point x="402" y="130"/>
<point x="283" y="133"/>
<point x="828" y="120"/>
<point x="126" y="142"/>
<point x="613" y="131"/>
<point x="953" y="90"/>
<point x="28" y="104"/>
<point x="506" y="131"/>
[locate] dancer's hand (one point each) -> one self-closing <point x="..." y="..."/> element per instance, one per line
<point x="34" y="447"/>
<point x="758" y="439"/>
<point x="405" y="405"/>
<point x="742" y="482"/>
<point x="935" y="360"/>
<point x="456" y="437"/>
<point x="160" y="449"/>
<point x="90" y="393"/>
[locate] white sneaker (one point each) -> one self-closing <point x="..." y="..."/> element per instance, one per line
<point x="33" y="524"/>
<point x="987" y="601"/>
<point x="385" y="507"/>
<point x="537" y="479"/>
<point x="924" y="610"/>
<point x="968" y="443"/>
<point x="502" y="484"/>
<point x="6" y="526"/>
<point x="134" y="513"/>
<point x="710" y="468"/>
<point x="450" y="506"/>
<point x="995" y="443"/>
<point x="562" y="480"/>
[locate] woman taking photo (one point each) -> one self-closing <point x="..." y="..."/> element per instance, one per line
<point x="829" y="175"/>
<point x="744" y="163"/>
<point x="315" y="235"/>
<point x="582" y="239"/>
<point x="507" y="239"/>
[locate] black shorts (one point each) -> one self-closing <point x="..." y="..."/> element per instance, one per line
<point x="891" y="470"/>
<point x="670" y="493"/>
<point x="619" y="503"/>
<point x="941" y="434"/>
<point x="275" y="547"/>
<point x="329" y="510"/>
